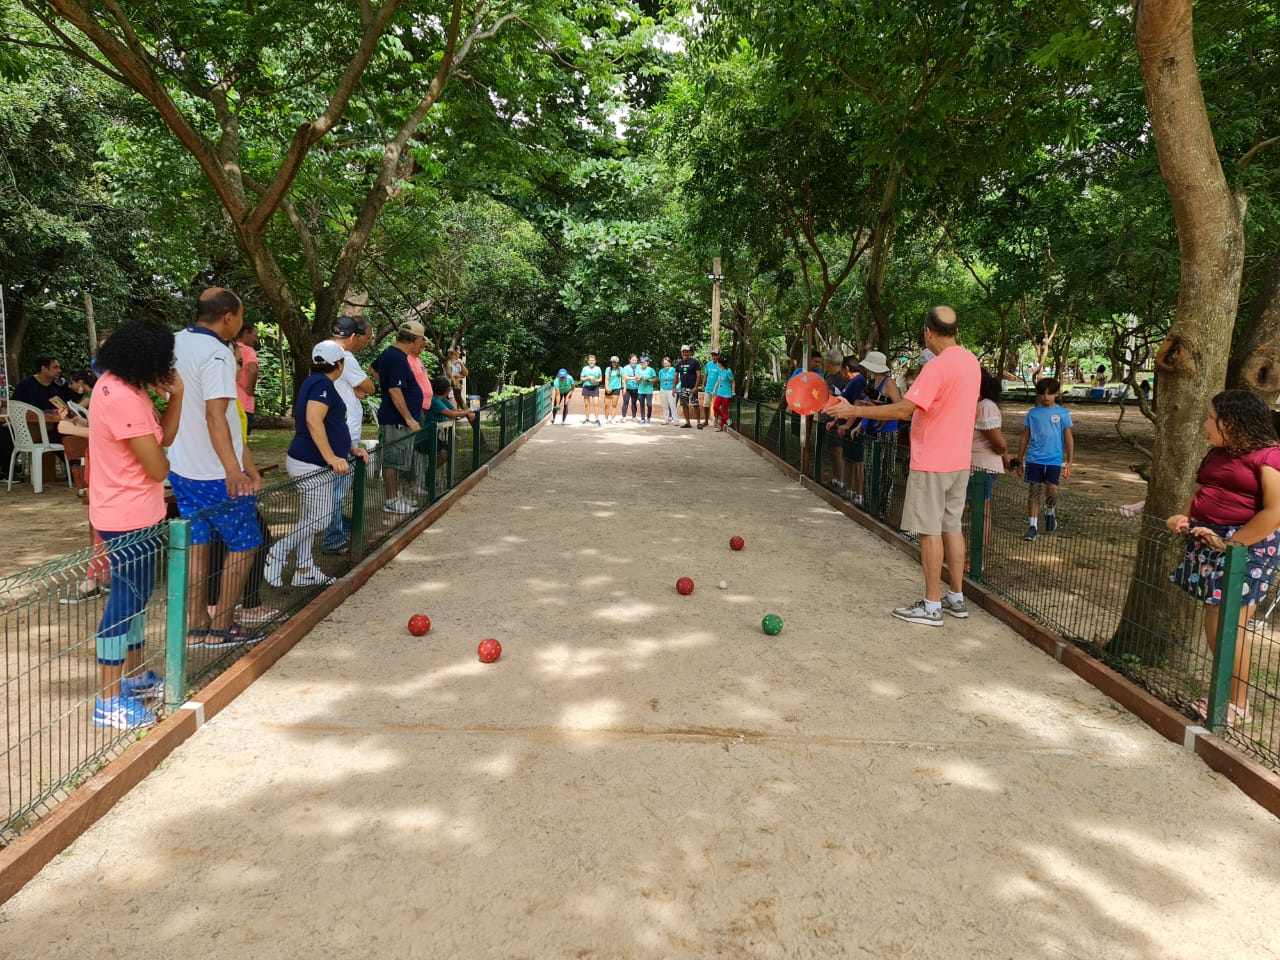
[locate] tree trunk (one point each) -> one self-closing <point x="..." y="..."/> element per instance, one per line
<point x="1192" y="362"/>
<point x="1255" y="352"/>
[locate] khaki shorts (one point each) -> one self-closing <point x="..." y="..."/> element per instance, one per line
<point x="934" y="502"/>
<point x="704" y="399"/>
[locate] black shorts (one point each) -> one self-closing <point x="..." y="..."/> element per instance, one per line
<point x="852" y="448"/>
<point x="1043" y="473"/>
<point x="591" y="391"/>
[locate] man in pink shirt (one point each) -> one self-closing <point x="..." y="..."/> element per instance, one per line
<point x="942" y="406"/>
<point x="247" y="381"/>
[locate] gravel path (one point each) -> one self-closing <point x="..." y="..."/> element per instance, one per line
<point x="644" y="775"/>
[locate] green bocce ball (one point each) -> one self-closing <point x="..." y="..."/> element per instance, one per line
<point x="771" y="624"/>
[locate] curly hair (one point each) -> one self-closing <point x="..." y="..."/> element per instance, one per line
<point x="139" y="352"/>
<point x="1245" y="422"/>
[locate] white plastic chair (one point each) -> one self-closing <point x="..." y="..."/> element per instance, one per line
<point x="77" y="410"/>
<point x="25" y="443"/>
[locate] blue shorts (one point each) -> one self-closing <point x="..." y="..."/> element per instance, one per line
<point x="213" y="514"/>
<point x="1043" y="473"/>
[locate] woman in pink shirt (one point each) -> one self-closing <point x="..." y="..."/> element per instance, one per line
<point x="1236" y="500"/>
<point x="126" y="507"/>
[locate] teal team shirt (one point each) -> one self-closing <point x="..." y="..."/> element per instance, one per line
<point x="646" y="375"/>
<point x="713" y="377"/>
<point x="629" y="376"/>
<point x="615" y="378"/>
<point x="724" y="383"/>
<point x="564" y="385"/>
<point x="590" y="376"/>
<point x="667" y="378"/>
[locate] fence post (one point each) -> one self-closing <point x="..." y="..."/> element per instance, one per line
<point x="759" y="407"/>
<point x="873" y="486"/>
<point x="502" y="425"/>
<point x="177" y="583"/>
<point x="818" y="446"/>
<point x="475" y="442"/>
<point x="977" y="521"/>
<point x="737" y="414"/>
<point x="451" y="441"/>
<point x="357" y="508"/>
<point x="1224" y="653"/>
<point x="433" y="443"/>
<point x="784" y="428"/>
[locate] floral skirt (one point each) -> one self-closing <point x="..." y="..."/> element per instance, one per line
<point x="1201" y="571"/>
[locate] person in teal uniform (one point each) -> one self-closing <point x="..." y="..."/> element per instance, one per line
<point x="590" y="378"/>
<point x="646" y="377"/>
<point x="723" y="394"/>
<point x="667" y="391"/>
<point x="612" y="390"/>
<point x="561" y="390"/>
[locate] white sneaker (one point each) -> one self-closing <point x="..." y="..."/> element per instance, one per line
<point x="397" y="505"/>
<point x="314" y="577"/>
<point x="273" y="571"/>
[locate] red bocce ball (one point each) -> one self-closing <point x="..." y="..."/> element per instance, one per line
<point x="419" y="624"/>
<point x="807" y="393"/>
<point x="489" y="650"/>
<point x="684" y="586"/>
<point x="736" y="543"/>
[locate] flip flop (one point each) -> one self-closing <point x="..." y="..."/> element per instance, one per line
<point x="235" y="637"/>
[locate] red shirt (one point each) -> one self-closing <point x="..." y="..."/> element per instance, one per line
<point x="1231" y="487"/>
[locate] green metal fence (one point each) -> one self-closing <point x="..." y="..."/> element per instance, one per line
<point x="1101" y="579"/>
<point x="207" y="606"/>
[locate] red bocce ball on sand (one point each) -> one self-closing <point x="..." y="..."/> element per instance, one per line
<point x="419" y="624"/>
<point x="489" y="651"/>
<point x="684" y="586"/>
<point x="736" y="543"/>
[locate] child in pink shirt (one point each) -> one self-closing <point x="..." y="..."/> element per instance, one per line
<point x="126" y="506"/>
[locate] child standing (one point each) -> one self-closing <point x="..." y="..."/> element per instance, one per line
<point x="1236" y="500"/>
<point x="1047" y="451"/>
<point x="724" y="393"/>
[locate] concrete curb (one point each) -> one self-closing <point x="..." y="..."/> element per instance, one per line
<point x="26" y="856"/>
<point x="1259" y="783"/>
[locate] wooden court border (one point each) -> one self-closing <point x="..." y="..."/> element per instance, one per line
<point x="27" y="855"/>
<point x="1256" y="781"/>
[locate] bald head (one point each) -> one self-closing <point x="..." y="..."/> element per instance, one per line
<point x="941" y="320"/>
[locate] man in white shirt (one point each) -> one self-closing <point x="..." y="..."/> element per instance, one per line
<point x="352" y="334"/>
<point x="213" y="475"/>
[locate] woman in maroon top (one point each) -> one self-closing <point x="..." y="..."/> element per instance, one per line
<point x="1236" y="500"/>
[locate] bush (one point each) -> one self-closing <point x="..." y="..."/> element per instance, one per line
<point x="767" y="391"/>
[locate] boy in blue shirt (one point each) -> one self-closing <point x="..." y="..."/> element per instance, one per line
<point x="1047" y="451"/>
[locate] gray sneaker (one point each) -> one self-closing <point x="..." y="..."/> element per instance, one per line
<point x="955" y="608"/>
<point x="919" y="613"/>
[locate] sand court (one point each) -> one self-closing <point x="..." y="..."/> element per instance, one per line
<point x="645" y="775"/>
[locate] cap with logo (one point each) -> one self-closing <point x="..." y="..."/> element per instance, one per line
<point x="413" y="328"/>
<point x="347" y="326"/>
<point x="563" y="372"/>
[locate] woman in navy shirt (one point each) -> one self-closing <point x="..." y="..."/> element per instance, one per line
<point x="1236" y="500"/>
<point x="321" y="444"/>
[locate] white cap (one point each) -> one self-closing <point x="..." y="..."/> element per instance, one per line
<point x="326" y="351"/>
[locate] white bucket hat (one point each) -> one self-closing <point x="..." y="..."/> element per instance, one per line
<point x="875" y="362"/>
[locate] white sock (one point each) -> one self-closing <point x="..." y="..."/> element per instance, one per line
<point x="1034" y="523"/>
<point x="955" y="597"/>
<point x="933" y="606"/>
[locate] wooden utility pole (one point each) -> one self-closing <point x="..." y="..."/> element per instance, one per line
<point x="715" y="276"/>
<point x="90" y="326"/>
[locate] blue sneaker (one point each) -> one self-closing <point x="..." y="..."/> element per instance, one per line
<point x="121" y="713"/>
<point x="145" y="686"/>
<point x="1050" y="522"/>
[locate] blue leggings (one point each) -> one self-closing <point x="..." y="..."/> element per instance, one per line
<point x="133" y="555"/>
<point x="646" y="406"/>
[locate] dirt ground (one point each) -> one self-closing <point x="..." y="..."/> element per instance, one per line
<point x="648" y="775"/>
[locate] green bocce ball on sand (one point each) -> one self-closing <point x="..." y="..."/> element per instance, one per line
<point x="771" y="624"/>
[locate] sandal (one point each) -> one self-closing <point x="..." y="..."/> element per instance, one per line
<point x="1237" y="716"/>
<point x="1201" y="707"/>
<point x="235" y="637"/>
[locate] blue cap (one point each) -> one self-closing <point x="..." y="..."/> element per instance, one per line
<point x="563" y="372"/>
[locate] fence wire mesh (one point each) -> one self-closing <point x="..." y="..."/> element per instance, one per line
<point x="1100" y="579"/>
<point x="177" y="604"/>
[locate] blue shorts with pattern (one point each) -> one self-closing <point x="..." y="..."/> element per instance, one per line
<point x="215" y="515"/>
<point x="1202" y="569"/>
